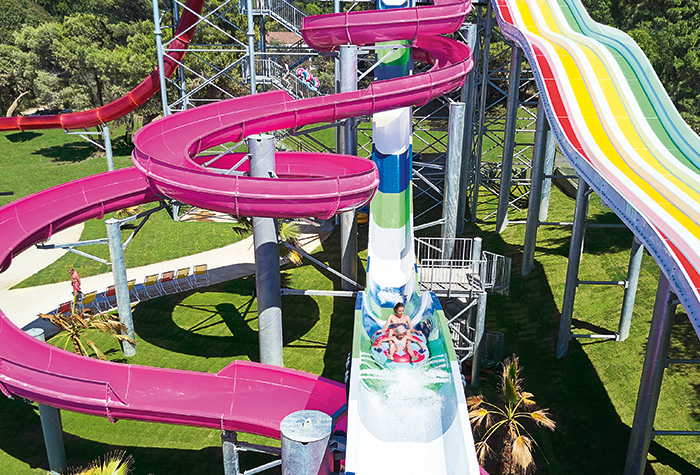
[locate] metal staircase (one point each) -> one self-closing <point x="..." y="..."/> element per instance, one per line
<point x="282" y="11"/>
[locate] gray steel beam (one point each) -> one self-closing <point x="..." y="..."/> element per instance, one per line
<point x="536" y="190"/>
<point x="348" y="146"/>
<point x="509" y="139"/>
<point x="121" y="287"/>
<point x="450" y="197"/>
<point x="51" y="426"/>
<point x="633" y="269"/>
<point x="575" y="252"/>
<point x="230" y="452"/>
<point x="159" y="53"/>
<point x="549" y="153"/>
<point x="482" y="111"/>
<point x="478" y="337"/>
<point x="251" y="44"/>
<point x="267" y="258"/>
<point x="468" y="96"/>
<point x="652" y="376"/>
<point x="108" y="147"/>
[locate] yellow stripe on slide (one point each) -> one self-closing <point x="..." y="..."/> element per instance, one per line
<point x="613" y="150"/>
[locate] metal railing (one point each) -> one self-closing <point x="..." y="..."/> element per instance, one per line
<point x="281" y="11"/>
<point x="448" y="267"/>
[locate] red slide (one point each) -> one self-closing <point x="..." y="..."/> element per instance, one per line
<point x="125" y="104"/>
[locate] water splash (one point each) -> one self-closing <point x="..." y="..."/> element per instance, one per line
<point x="408" y="407"/>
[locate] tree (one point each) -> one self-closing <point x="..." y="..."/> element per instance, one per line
<point x="668" y="31"/>
<point x="77" y="325"/>
<point x="507" y="422"/>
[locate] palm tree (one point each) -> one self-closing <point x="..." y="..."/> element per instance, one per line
<point x="115" y="463"/>
<point x="76" y="325"/>
<point x="507" y="422"/>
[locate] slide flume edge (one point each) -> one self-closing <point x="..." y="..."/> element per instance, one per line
<point x="640" y="159"/>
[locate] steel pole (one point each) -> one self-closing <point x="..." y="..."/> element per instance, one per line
<point x="159" y="54"/>
<point x="509" y="139"/>
<point x="536" y="179"/>
<point x="51" y="426"/>
<point x="305" y="437"/>
<point x="468" y="96"/>
<point x="251" y="45"/>
<point x="121" y="287"/>
<point x="450" y="197"/>
<point x="652" y="376"/>
<point x="108" y="147"/>
<point x="575" y="252"/>
<point x="478" y="337"/>
<point x="633" y="270"/>
<point x="348" y="134"/>
<point x="181" y="71"/>
<point x="267" y="259"/>
<point x="550" y="152"/>
<point x="482" y="110"/>
<point x="230" y="452"/>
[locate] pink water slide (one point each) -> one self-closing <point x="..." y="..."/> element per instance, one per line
<point x="169" y="154"/>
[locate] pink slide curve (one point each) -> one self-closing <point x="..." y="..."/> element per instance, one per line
<point x="244" y="396"/>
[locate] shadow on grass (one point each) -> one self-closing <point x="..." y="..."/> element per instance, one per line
<point x="153" y="322"/>
<point x="22" y="439"/>
<point x="68" y="153"/>
<point x="19" y="137"/>
<point x="570" y="387"/>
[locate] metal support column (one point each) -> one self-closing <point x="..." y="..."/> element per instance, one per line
<point x="549" y="153"/>
<point x="655" y="360"/>
<point x="482" y="110"/>
<point x="159" y="53"/>
<point x="108" y="147"/>
<point x="468" y="96"/>
<point x="348" y="146"/>
<point x="230" y="452"/>
<point x="509" y="139"/>
<point x="536" y="182"/>
<point x="305" y="437"/>
<point x="181" y="71"/>
<point x="450" y="201"/>
<point x="51" y="426"/>
<point x="267" y="258"/>
<point x="251" y="45"/>
<point x="633" y="269"/>
<point x="478" y="337"/>
<point x="575" y="252"/>
<point x="121" y="287"/>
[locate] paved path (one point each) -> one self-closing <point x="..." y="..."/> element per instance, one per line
<point x="227" y="263"/>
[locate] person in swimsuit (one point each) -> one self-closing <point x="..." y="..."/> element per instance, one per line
<point x="399" y="317"/>
<point x="401" y="341"/>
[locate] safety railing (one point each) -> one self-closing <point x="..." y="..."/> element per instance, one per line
<point x="449" y="267"/>
<point x="281" y="11"/>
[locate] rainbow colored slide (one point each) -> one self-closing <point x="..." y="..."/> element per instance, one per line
<point x="619" y="129"/>
<point x="170" y="157"/>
